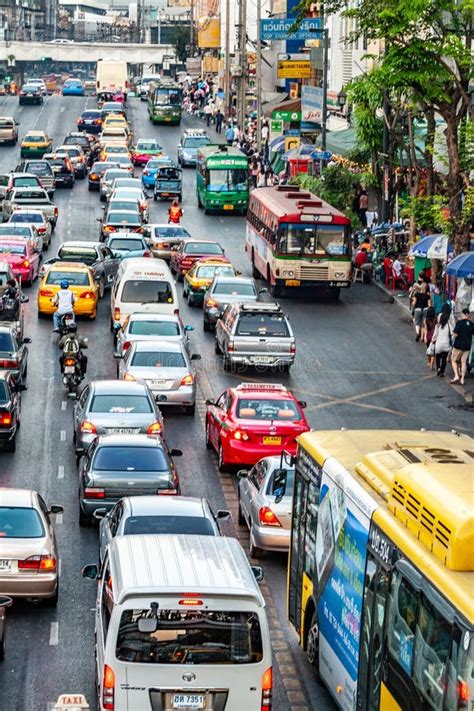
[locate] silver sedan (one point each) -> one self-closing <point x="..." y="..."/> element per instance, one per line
<point x="226" y="290"/>
<point x="265" y="503"/>
<point x="151" y="327"/>
<point x="135" y="515"/>
<point x="165" y="367"/>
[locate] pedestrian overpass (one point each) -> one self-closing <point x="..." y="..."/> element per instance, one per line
<point x="85" y="52"/>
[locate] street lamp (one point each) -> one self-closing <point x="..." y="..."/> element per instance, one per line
<point x="341" y="99"/>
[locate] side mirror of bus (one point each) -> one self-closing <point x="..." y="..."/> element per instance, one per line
<point x="258" y="573"/>
<point x="91" y="571"/>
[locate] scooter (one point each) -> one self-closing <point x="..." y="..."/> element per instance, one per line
<point x="4" y="603"/>
<point x="72" y="374"/>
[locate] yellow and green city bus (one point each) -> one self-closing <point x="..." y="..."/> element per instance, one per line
<point x="380" y="581"/>
<point x="222" y="179"/>
<point x="165" y="102"/>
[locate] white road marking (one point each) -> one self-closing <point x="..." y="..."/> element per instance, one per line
<point x="54" y="634"/>
<point x="64" y="405"/>
<point x="61" y="471"/>
<point x="59" y="519"/>
<point x="63" y="435"/>
<point x="60" y="565"/>
<point x="62" y="109"/>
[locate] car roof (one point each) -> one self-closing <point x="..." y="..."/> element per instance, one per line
<point x="11" y="328"/>
<point x="263" y="390"/>
<point x="14" y="240"/>
<point x="68" y="146"/>
<point x="79" y="243"/>
<point x="35" y="133"/>
<point x="16" y="497"/>
<point x="22" y="174"/>
<point x="233" y="279"/>
<point x="157" y="345"/>
<point x="109" y="387"/>
<point x="150" y="316"/>
<point x="200" y="241"/>
<point x="130" y="440"/>
<point x="166" y="505"/>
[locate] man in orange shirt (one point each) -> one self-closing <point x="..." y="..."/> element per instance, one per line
<point x="175" y="213"/>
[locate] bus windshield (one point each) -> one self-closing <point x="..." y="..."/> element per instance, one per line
<point x="219" y="181"/>
<point x="304" y="240"/>
<point x="167" y="97"/>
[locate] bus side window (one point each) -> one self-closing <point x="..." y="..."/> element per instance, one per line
<point x="402" y="615"/>
<point x="432" y="648"/>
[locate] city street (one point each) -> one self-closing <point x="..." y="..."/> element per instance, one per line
<point x="357" y="366"/>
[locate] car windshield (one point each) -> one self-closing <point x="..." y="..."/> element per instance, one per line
<point x="14" y="230"/>
<point x="121" y="194"/>
<point x="75" y="140"/>
<point x="10" y="248"/>
<point x="34" y="139"/>
<point x="121" y="158"/>
<point x="78" y="254"/>
<point x="27" y="217"/>
<point x="116" y="149"/>
<point x="196" y="141"/>
<point x="304" y="239"/>
<point x="130" y="459"/>
<point x="23" y="194"/>
<point x="120" y="404"/>
<point x="24" y="182"/>
<point x="58" y="161"/>
<point x="6" y="123"/>
<point x="126" y="245"/>
<point x="191" y="525"/>
<point x="3" y="393"/>
<point x="163" y="232"/>
<point x="137" y="291"/>
<point x="6" y="343"/>
<point x="148" y="146"/>
<point x="209" y="272"/>
<point x="154" y="328"/>
<point x="74" y="278"/>
<point x="261" y="409"/>
<point x="273" y="325"/>
<point x="20" y="522"/>
<point x="125" y="218"/>
<point x="219" y="181"/>
<point x="70" y="151"/>
<point x="191" y="637"/>
<point x="39" y="168"/>
<point x="158" y="359"/>
<point x="234" y="289"/>
<point x="203" y="248"/>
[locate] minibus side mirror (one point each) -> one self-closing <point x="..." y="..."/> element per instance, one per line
<point x="189" y="328"/>
<point x="99" y="514"/>
<point x="242" y="474"/>
<point x="56" y="509"/>
<point x="91" y="571"/>
<point x="302" y="403"/>
<point x="210" y="401"/>
<point x="176" y="453"/>
<point x="257" y="572"/>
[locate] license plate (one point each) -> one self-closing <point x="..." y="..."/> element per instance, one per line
<point x="261" y="359"/>
<point x="121" y="430"/>
<point x="292" y="282"/>
<point x="272" y="440"/>
<point x="158" y="383"/>
<point x="188" y="701"/>
<point x="228" y="207"/>
<point x="6" y="566"/>
<point x="69" y="369"/>
<point x="164" y="194"/>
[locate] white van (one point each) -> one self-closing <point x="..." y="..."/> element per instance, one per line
<point x="144" y="285"/>
<point x="180" y="624"/>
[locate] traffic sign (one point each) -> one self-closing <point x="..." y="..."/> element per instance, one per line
<point x="292" y="142"/>
<point x="286" y="115"/>
<point x="279" y="28"/>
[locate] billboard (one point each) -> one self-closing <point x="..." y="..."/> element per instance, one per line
<point x="311" y="104"/>
<point x="279" y="28"/>
<point x="209" y="37"/>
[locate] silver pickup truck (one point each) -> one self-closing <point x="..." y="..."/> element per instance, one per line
<point x="35" y="198"/>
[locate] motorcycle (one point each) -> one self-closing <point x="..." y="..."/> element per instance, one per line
<point x="73" y="372"/>
<point x="4" y="603"/>
<point x="65" y="322"/>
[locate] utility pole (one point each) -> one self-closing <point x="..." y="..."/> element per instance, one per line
<point x="258" y="78"/>
<point x="324" y="116"/>
<point x="242" y="86"/>
<point x="191" y="30"/>
<point x="227" y="87"/>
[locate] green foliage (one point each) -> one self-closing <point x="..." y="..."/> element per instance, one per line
<point x="427" y="212"/>
<point x="180" y="38"/>
<point x="468" y="206"/>
<point x="337" y="186"/>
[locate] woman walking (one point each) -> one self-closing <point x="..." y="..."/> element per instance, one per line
<point x="442" y="338"/>
<point x="421" y="302"/>
<point x="429" y="329"/>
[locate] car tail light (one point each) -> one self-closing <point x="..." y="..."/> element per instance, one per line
<point x="166" y="492"/>
<point x="267" y="517"/>
<point x="126" y="345"/>
<point x="267" y="683"/>
<point x="191" y="602"/>
<point x="22" y="93"/>
<point x="129" y="376"/>
<point x="5" y="419"/>
<point x="187" y="380"/>
<point x="155" y="428"/>
<point x="97" y="122"/>
<point x="26" y="263"/>
<point x="160" y="245"/>
<point x="44" y="563"/>
<point x="86" y="295"/>
<point x="80" y="121"/>
<point x="88" y="428"/>
<point x="116" y="314"/>
<point x="46" y="292"/>
<point x="293" y="348"/>
<point x="463" y="692"/>
<point x="240" y="435"/>
<point x="55" y="211"/>
<point x="211" y="302"/>
<point x="69" y="361"/>
<point x="108" y="688"/>
<point x="93" y="176"/>
<point x="230" y="348"/>
<point x="94" y="493"/>
<point x="109" y="228"/>
<point x="147" y="254"/>
<point x="8" y="363"/>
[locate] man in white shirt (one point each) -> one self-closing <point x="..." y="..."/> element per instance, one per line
<point x="64" y="300"/>
<point x="397" y="267"/>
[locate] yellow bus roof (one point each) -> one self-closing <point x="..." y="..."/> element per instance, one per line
<point x="423" y="483"/>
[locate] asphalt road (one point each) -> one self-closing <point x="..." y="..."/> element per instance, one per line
<point x="357" y="366"/>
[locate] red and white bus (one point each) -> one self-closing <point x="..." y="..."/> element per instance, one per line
<point x="295" y="239"/>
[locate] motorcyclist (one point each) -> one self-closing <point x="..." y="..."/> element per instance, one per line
<point x="71" y="345"/>
<point x="12" y="291"/>
<point x="64" y="300"/>
<point x="175" y="213"/>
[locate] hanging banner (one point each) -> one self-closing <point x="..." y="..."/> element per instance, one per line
<point x="311" y="104"/>
<point x="209" y="37"/>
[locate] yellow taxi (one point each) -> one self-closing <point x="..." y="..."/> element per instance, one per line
<point x="35" y="144"/>
<point x="116" y="120"/>
<point x="81" y="283"/>
<point x="201" y="275"/>
<point x="113" y="148"/>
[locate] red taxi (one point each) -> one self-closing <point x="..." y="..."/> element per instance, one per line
<point x="189" y="251"/>
<point x="22" y="258"/>
<point x="253" y="420"/>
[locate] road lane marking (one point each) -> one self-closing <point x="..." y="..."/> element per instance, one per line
<point x="61" y="471"/>
<point x="54" y="634"/>
<point x="62" y="109"/>
<point x="63" y="435"/>
<point x="64" y="405"/>
<point x="59" y="519"/>
<point x="60" y="565"/>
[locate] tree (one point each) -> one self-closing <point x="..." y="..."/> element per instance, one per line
<point x="180" y="39"/>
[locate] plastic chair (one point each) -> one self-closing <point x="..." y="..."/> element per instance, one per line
<point x="358" y="275"/>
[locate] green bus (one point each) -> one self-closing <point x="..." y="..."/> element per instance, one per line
<point x="165" y="102"/>
<point x="222" y="179"/>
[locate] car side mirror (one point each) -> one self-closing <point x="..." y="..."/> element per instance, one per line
<point x="195" y="356"/>
<point x="189" y="328"/>
<point x="263" y="290"/>
<point x="176" y="453"/>
<point x="99" y="219"/>
<point x="21" y="387"/>
<point x="5" y="601"/>
<point x="209" y="401"/>
<point x="302" y="403"/>
<point x="237" y="273"/>
<point x="257" y="573"/>
<point x="99" y="514"/>
<point x="56" y="509"/>
<point x="27" y="340"/>
<point x="242" y="474"/>
<point x="91" y="571"/>
<point x="223" y="515"/>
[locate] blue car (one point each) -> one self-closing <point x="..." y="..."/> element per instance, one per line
<point x="149" y="171"/>
<point x="73" y="87"/>
<point x="128" y="245"/>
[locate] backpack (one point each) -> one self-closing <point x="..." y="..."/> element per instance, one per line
<point x="71" y="345"/>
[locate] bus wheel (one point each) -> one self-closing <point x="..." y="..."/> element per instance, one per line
<point x="275" y="289"/>
<point x="255" y="272"/>
<point x="312" y="645"/>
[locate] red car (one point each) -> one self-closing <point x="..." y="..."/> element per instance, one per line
<point x="188" y="252"/>
<point x="253" y="421"/>
<point x="144" y="150"/>
<point x="21" y="257"/>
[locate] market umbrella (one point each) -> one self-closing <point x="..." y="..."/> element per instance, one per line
<point x="462" y="266"/>
<point x="432" y="247"/>
<point x="278" y="144"/>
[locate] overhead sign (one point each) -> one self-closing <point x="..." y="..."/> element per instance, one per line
<point x="292" y="142"/>
<point x="286" y="115"/>
<point x="311" y="104"/>
<point x="279" y="28"/>
<point x="294" y="69"/>
<point x="209" y="33"/>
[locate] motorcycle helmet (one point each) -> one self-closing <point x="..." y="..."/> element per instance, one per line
<point x="64" y="284"/>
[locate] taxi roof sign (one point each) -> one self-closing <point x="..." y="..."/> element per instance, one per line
<point x="71" y="702"/>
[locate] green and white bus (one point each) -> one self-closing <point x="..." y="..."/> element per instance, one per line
<point x="165" y="102"/>
<point x="222" y="179"/>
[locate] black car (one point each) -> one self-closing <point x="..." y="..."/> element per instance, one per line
<point x="89" y="145"/>
<point x="62" y="168"/>
<point x="90" y="121"/>
<point x="13" y="352"/>
<point x="95" y="174"/>
<point x="30" y="94"/>
<point x="10" y="406"/>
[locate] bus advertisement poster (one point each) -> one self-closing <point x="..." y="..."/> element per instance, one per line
<point x="341" y="551"/>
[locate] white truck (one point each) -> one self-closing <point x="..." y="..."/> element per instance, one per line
<point x="112" y="74"/>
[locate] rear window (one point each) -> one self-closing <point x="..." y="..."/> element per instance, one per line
<point x="30" y="195"/>
<point x="262" y="325"/>
<point x="78" y="254"/>
<point x="136" y="291"/>
<point x="163" y="232"/>
<point x="158" y="359"/>
<point x="71" y="151"/>
<point x="154" y="328"/>
<point x="127" y="183"/>
<point x="90" y="114"/>
<point x="6" y="343"/>
<point x="119" y="404"/>
<point x="34" y="217"/>
<point x="261" y="409"/>
<point x="9" y="248"/>
<point x="24" y="182"/>
<point x="117" y="204"/>
<point x="3" y="393"/>
<point x="130" y="459"/>
<point x="148" y="146"/>
<point x="126" y="244"/>
<point x="194" y="525"/>
<point x="110" y="175"/>
<point x="6" y="123"/>
<point x="191" y="637"/>
<point x="99" y="167"/>
<point x="39" y="168"/>
<point x="231" y="289"/>
<point x="203" y="248"/>
<point x="14" y="231"/>
<point x="20" y="522"/>
<point x="196" y="141"/>
<point x="61" y="162"/>
<point x="74" y="278"/>
<point x="34" y="139"/>
<point x="123" y="218"/>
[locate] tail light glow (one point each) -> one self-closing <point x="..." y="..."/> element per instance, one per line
<point x="126" y="345"/>
<point x="44" y="563"/>
<point x="240" y="435"/>
<point x="70" y="361"/>
<point x="26" y="263"/>
<point x="267" y="684"/>
<point x="108" y="688"/>
<point x="116" y="314"/>
<point x="5" y="419"/>
<point x="86" y="295"/>
<point x="46" y="292"/>
<point x="155" y="428"/>
<point x="187" y="380"/>
<point x="191" y="602"/>
<point x="94" y="493"/>
<point x="268" y="518"/>
<point x="88" y="428"/>
<point x="8" y="363"/>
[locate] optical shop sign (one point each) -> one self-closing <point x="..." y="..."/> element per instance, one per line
<point x="279" y="28"/>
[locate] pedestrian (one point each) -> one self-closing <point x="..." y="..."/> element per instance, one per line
<point x="219" y="120"/>
<point x="208" y="114"/>
<point x="429" y="329"/>
<point x="463" y="333"/>
<point x="421" y="303"/>
<point x="254" y="171"/>
<point x="230" y="135"/>
<point x="442" y="338"/>
<point x="363" y="207"/>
